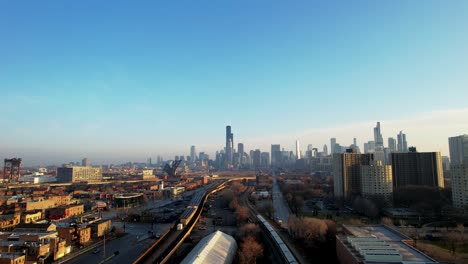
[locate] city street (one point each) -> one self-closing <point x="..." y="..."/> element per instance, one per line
<point x="129" y="246"/>
<point x="280" y="206"/>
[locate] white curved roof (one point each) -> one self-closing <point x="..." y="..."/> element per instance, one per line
<point x="217" y="247"/>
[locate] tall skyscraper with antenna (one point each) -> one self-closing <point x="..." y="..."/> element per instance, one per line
<point x="378" y="139"/>
<point x="229" y="146"/>
<point x="298" y="150"/>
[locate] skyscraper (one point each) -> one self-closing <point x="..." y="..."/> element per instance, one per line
<point x="85" y="162"/>
<point x="265" y="159"/>
<point x="276" y="156"/>
<point x="417" y="168"/>
<point x="298" y="150"/>
<point x="325" y="149"/>
<point x="240" y="149"/>
<point x="256" y="159"/>
<point x="402" y="144"/>
<point x="458" y="147"/>
<point x="193" y="153"/>
<point x="378" y="139"/>
<point x="369" y="147"/>
<point x="229" y="146"/>
<point x="332" y="145"/>
<point x="392" y="144"/>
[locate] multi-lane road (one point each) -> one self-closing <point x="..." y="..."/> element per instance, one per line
<point x="280" y="207"/>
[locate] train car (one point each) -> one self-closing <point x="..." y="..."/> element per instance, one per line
<point x="187" y="215"/>
<point x="287" y="255"/>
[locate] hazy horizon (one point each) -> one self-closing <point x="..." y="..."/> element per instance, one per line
<point x="118" y="82"/>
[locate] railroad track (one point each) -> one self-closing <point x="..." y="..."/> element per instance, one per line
<point x="280" y="246"/>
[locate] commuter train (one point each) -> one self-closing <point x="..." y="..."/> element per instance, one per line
<point x="285" y="252"/>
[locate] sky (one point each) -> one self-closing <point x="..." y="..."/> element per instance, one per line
<point x="119" y="81"/>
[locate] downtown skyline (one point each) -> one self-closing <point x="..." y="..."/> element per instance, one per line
<point x="119" y="82"/>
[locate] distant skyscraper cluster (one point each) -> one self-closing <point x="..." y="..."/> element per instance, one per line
<point x="381" y="170"/>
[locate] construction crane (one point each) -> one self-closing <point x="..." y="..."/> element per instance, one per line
<point x="171" y="168"/>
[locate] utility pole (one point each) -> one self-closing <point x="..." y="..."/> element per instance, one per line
<point x="104" y="250"/>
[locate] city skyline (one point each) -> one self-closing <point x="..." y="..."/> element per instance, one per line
<point x="286" y="144"/>
<point x="133" y="81"/>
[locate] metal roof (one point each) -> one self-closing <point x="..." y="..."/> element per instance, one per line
<point x="217" y="247"/>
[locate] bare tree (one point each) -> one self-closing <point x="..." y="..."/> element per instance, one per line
<point x="249" y="229"/>
<point x="234" y="204"/>
<point x="250" y="250"/>
<point x="266" y="208"/>
<point x="242" y="213"/>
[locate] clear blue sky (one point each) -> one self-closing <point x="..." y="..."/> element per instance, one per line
<point x="123" y="80"/>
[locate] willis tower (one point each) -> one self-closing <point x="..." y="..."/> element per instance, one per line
<point x="229" y="146"/>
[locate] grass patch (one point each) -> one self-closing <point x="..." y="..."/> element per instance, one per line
<point x="459" y="247"/>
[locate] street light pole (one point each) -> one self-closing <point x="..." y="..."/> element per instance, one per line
<point x="104" y="249"/>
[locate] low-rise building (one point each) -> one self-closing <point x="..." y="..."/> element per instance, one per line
<point x="61" y="199"/>
<point x="9" y="221"/>
<point x="32" y="217"/>
<point x="363" y="244"/>
<point x="12" y="258"/>
<point x="101" y="227"/>
<point x="38" y="204"/>
<point x="74" y="234"/>
<point x="66" y="211"/>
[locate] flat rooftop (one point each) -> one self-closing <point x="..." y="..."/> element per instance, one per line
<point x="394" y="238"/>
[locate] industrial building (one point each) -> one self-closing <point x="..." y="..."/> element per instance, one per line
<point x="78" y="174"/>
<point x="363" y="244"/>
<point x="217" y="247"/>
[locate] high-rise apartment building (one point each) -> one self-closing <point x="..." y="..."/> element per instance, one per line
<point x="459" y="185"/>
<point x="402" y="144"/>
<point x="376" y="181"/>
<point x="347" y="173"/>
<point x="193" y="153"/>
<point x="458" y="147"/>
<point x="417" y="168"/>
<point x="378" y="139"/>
<point x="229" y="146"/>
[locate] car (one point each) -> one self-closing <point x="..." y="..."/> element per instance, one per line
<point x="96" y="251"/>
